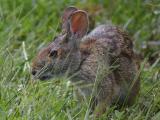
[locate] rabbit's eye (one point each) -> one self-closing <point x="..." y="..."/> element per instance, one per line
<point x="53" y="53"/>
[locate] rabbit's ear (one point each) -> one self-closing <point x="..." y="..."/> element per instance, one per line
<point x="78" y="23"/>
<point x="66" y="14"/>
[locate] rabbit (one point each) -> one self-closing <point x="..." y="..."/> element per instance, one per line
<point x="103" y="61"/>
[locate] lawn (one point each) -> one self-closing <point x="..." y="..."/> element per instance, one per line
<point x="26" y="26"/>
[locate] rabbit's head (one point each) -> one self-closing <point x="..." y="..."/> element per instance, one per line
<point x="63" y="54"/>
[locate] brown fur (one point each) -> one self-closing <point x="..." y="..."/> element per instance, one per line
<point x="102" y="63"/>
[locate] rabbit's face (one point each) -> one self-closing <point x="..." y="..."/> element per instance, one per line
<point x="58" y="58"/>
<point x="62" y="56"/>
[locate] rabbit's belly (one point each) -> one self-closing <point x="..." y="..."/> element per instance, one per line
<point x="85" y="79"/>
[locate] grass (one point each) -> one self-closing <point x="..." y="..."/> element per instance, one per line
<point x="27" y="26"/>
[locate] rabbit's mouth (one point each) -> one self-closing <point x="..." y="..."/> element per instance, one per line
<point x="45" y="77"/>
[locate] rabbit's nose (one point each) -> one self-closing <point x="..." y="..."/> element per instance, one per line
<point x="34" y="72"/>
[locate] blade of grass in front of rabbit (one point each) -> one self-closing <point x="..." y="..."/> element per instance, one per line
<point x="41" y="72"/>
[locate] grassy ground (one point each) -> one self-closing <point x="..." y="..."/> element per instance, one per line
<point x="27" y="25"/>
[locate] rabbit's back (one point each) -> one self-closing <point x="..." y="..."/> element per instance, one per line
<point x="113" y="37"/>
